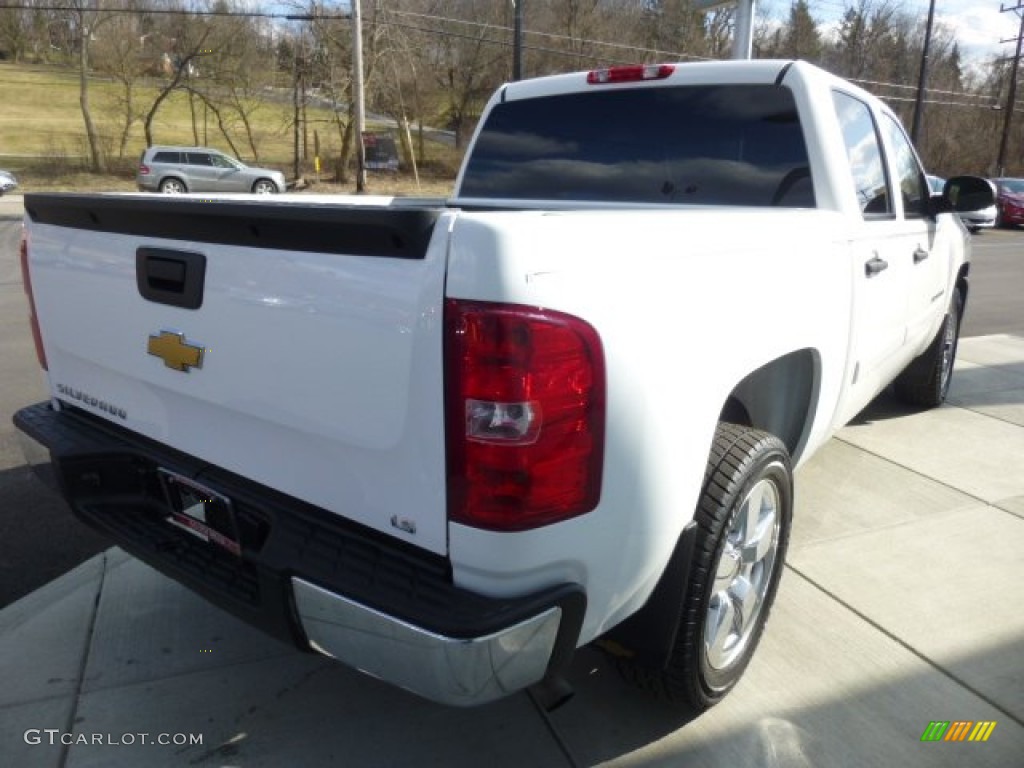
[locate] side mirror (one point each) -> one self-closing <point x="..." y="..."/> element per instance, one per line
<point x="967" y="193"/>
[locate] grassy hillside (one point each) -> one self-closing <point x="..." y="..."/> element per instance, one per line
<point x="42" y="135"/>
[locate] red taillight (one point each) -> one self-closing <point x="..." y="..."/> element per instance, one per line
<point x="630" y="74"/>
<point x="26" y="281"/>
<point x="144" y="170"/>
<point x="525" y="415"/>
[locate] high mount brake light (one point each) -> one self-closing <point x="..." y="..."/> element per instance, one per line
<point x="525" y="415"/>
<point x="630" y="74"/>
<point x="33" y="319"/>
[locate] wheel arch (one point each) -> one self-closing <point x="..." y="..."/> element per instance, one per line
<point x="256" y="182"/>
<point x="172" y="176"/>
<point x="779" y="397"/>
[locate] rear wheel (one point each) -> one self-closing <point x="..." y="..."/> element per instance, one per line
<point x="172" y="187"/>
<point x="743" y="519"/>
<point x="926" y="380"/>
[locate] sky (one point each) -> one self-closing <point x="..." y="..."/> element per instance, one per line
<point x="978" y="24"/>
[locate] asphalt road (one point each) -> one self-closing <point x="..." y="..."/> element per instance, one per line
<point x="40" y="539"/>
<point x="996" y="284"/>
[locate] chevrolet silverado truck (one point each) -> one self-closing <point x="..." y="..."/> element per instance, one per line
<point x="448" y="442"/>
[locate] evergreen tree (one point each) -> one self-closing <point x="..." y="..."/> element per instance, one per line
<point x="801" y="39"/>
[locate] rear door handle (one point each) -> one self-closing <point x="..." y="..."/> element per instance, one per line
<point x="874" y="266"/>
<point x="920" y="255"/>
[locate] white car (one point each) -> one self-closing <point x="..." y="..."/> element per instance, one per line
<point x="982" y="218"/>
<point x="7" y="182"/>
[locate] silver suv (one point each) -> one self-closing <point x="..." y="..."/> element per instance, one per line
<point x="175" y="170"/>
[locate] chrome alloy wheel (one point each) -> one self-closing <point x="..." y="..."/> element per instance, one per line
<point x="744" y="573"/>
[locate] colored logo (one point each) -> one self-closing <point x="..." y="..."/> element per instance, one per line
<point x="175" y="351"/>
<point x="958" y="730"/>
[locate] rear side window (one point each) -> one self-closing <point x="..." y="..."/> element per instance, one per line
<point x="913" y="186"/>
<point x="704" y="145"/>
<point x="199" y="158"/>
<point x="865" y="155"/>
<point x="167" y="157"/>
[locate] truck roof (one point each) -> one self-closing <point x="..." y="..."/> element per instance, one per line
<point x="678" y="73"/>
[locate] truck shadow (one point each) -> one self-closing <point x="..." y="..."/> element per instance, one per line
<point x="824" y="689"/>
<point x="986" y="388"/>
<point x="39" y="537"/>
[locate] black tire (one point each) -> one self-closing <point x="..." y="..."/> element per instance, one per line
<point x="697" y="675"/>
<point x="925" y="382"/>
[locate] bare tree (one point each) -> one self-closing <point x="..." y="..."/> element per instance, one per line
<point x="119" y="54"/>
<point x="234" y="75"/>
<point x="464" y="62"/>
<point x="16" y="32"/>
<point x="676" y="25"/>
<point x="189" y="44"/>
<point x="86" y="21"/>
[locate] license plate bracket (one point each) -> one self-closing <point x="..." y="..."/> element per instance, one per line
<point x="200" y="511"/>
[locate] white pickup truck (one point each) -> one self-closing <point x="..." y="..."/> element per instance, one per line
<point x="449" y="442"/>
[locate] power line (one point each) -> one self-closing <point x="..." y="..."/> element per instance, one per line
<point x="975" y="105"/>
<point x="550" y="35"/>
<point x="172" y="12"/>
<point x="905" y="87"/>
<point x="320" y="16"/>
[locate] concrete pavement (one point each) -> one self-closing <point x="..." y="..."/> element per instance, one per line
<point x="899" y="606"/>
<point x="12" y="206"/>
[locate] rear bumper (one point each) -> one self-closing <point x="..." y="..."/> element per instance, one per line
<point x="306" y="575"/>
<point x="461" y="671"/>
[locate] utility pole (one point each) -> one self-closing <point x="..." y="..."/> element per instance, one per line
<point x="1012" y="95"/>
<point x="295" y="104"/>
<point x="743" y="37"/>
<point x="517" y="40"/>
<point x="358" y="99"/>
<point x="922" y="79"/>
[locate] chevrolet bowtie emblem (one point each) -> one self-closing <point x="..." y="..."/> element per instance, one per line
<point x="175" y="351"/>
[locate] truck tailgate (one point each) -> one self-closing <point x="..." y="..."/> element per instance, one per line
<point x="296" y="344"/>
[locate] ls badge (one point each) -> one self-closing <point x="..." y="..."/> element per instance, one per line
<point x="176" y="353"/>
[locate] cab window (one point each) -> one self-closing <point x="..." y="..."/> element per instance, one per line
<point x="698" y="145"/>
<point x="864" y="151"/>
<point x="909" y="174"/>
